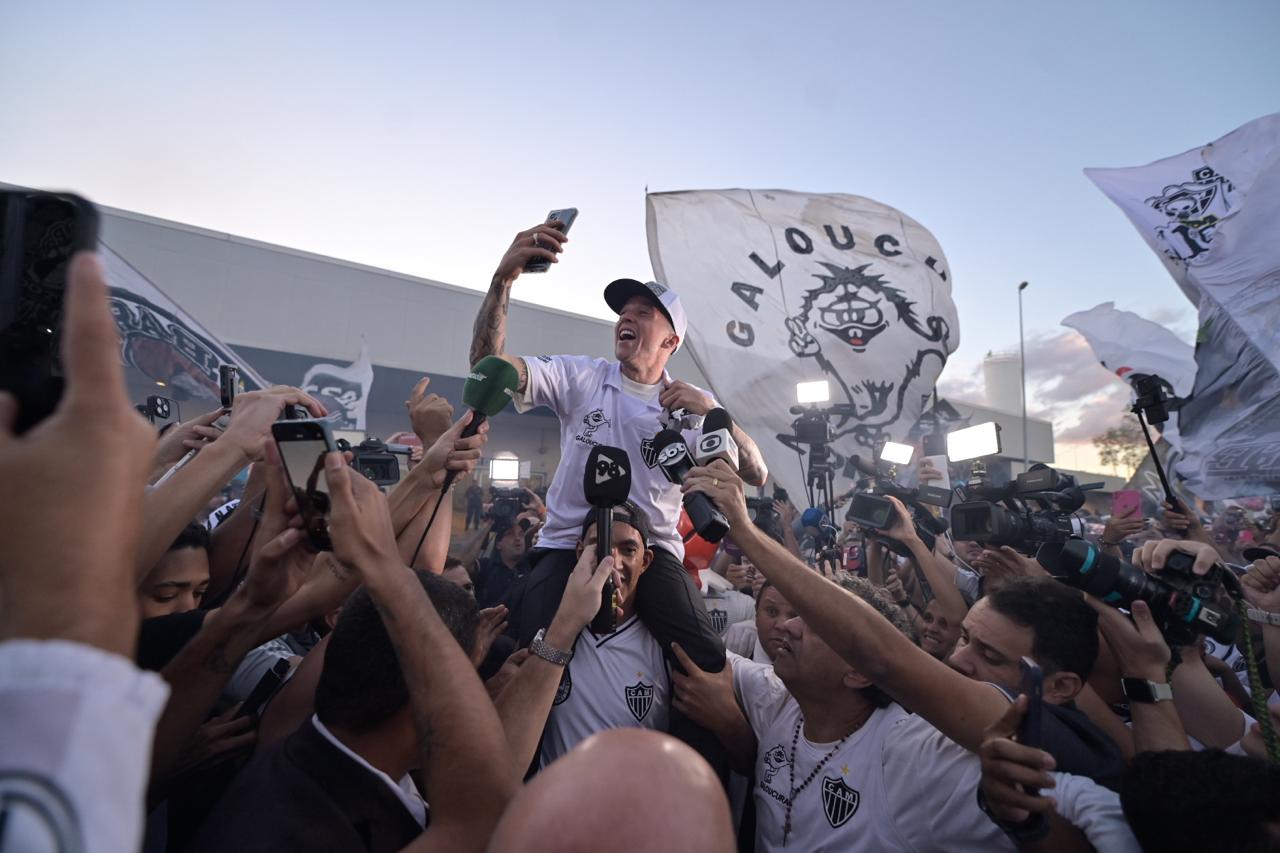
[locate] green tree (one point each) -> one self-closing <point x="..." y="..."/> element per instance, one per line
<point x="1122" y="446"/>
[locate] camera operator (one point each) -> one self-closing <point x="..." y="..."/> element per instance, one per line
<point x="504" y="566"/>
<point x="621" y="403"/>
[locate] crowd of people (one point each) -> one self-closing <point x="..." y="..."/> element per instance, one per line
<point x="176" y="680"/>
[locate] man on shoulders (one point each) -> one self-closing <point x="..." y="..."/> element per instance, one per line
<point x="621" y="403"/>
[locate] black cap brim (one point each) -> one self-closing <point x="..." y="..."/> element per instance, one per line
<point x="1260" y="552"/>
<point x="622" y="289"/>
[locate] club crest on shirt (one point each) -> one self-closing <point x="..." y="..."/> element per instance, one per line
<point x="565" y="688"/>
<point x="639" y="700"/>
<point x="648" y="452"/>
<point x="839" y="801"/>
<point x="719" y="620"/>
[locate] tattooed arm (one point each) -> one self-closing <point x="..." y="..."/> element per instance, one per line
<point x="489" y="337"/>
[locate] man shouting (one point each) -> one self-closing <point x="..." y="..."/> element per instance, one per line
<point x="621" y="403"/>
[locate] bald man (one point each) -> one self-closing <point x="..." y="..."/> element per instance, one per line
<point x="667" y="799"/>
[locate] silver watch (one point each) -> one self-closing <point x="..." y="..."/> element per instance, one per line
<point x="549" y="653"/>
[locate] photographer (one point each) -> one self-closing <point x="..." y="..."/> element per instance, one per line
<point x="506" y="564"/>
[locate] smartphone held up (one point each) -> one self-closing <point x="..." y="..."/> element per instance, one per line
<point x="303" y="445"/>
<point x="39" y="234"/>
<point x="562" y="220"/>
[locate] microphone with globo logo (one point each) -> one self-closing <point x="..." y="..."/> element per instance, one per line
<point x="675" y="461"/>
<point x="716" y="441"/>
<point x="606" y="483"/>
<point x="487" y="391"/>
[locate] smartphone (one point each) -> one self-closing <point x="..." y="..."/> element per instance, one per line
<point x="229" y="384"/>
<point x="256" y="702"/>
<point x="1031" y="685"/>
<point x="563" y="220"/>
<point x="1126" y="502"/>
<point x="303" y="444"/>
<point x="39" y="232"/>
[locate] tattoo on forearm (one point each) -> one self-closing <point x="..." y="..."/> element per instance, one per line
<point x="489" y="336"/>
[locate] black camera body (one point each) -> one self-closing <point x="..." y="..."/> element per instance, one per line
<point x="376" y="459"/>
<point x="507" y="504"/>
<point x="1182" y="603"/>
<point x="871" y="508"/>
<point x="1039" y="507"/>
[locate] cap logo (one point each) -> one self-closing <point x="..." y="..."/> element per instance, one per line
<point x="658" y="289"/>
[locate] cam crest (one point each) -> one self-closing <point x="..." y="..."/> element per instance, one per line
<point x="851" y="312"/>
<point x="639" y="700"/>
<point x="1192" y="210"/>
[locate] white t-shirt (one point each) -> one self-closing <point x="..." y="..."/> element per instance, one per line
<point x="75" y="746"/>
<point x="614" y="681"/>
<point x="727" y="607"/>
<point x="743" y="638"/>
<point x="897" y="783"/>
<point x="588" y="396"/>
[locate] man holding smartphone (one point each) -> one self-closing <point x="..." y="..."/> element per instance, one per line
<point x="622" y="403"/>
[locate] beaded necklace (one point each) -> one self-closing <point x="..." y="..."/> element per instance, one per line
<point x="795" y="740"/>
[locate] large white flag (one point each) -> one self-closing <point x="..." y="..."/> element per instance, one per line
<point x="1212" y="214"/>
<point x="783" y="287"/>
<point x="1126" y="343"/>
<point x="160" y="339"/>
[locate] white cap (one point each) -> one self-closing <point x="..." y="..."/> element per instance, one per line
<point x="619" y="291"/>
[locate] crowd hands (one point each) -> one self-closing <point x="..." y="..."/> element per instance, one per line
<point x="396" y="649"/>
<point x="978" y="609"/>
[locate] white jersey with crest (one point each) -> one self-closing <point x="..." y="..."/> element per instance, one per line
<point x="596" y="404"/>
<point x="897" y="783"/>
<point x="614" y="681"/>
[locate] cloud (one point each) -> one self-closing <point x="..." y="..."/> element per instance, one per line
<point x="1065" y="384"/>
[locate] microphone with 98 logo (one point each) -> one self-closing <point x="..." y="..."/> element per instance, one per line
<point x="675" y="461"/>
<point x="606" y="483"/>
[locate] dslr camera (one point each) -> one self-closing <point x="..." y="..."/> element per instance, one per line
<point x="1039" y="507"/>
<point x="1182" y="603"/>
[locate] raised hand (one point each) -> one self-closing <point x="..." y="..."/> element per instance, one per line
<point x="359" y="521"/>
<point x="723" y="485"/>
<point x="492" y="622"/>
<point x="1152" y="556"/>
<point x="188" y="435"/>
<point x="678" y="394"/>
<point x="541" y="241"/>
<point x="69" y="532"/>
<point x="253" y="413"/>
<point x="1261" y="584"/>
<point x="1009" y="768"/>
<point x="430" y="414"/>
<point x="451" y="452"/>
<point x="1121" y="527"/>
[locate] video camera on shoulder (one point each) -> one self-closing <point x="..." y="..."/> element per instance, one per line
<point x="507" y="505"/>
<point x="764" y="516"/>
<point x="871" y="508"/>
<point x="1040" y="506"/>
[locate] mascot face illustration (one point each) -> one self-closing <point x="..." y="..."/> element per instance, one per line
<point x="774" y="760"/>
<point x="853" y="311"/>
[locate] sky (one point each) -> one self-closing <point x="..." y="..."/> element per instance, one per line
<point x="420" y="136"/>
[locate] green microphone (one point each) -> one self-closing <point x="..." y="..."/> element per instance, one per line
<point x="489" y="387"/>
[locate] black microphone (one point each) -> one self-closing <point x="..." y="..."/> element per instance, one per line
<point x="606" y="483"/>
<point x="717" y="439"/>
<point x="675" y="461"/>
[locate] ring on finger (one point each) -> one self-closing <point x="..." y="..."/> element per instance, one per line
<point x="715" y="481"/>
<point x="535" y="239"/>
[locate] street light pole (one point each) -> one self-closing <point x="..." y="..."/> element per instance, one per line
<point x="1022" y="346"/>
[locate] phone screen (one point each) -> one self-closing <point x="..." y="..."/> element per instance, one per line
<point x="1126" y="502"/>
<point x="304" y="463"/>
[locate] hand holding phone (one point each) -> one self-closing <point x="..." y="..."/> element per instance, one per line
<point x="562" y="220"/>
<point x="302" y="446"/>
<point x="1125" y="502"/>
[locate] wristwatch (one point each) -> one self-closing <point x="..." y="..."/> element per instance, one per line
<point x="1141" y="690"/>
<point x="1256" y="615"/>
<point x="549" y="653"/>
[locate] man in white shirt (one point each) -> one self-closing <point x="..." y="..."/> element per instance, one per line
<point x="617" y="680"/>
<point x="622" y="403"/>
<point x="760" y="638"/>
<point x="840" y="762"/>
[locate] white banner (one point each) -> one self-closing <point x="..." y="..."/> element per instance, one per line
<point x="343" y="389"/>
<point x="1126" y="343"/>
<point x="1212" y="214"/>
<point x="160" y="339"/>
<point x="784" y="287"/>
